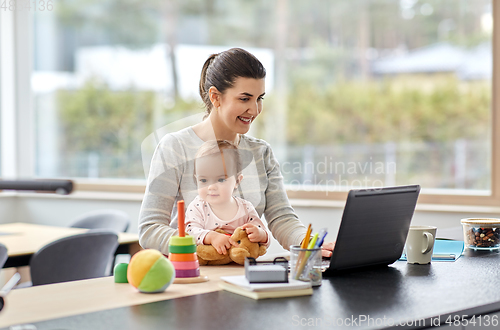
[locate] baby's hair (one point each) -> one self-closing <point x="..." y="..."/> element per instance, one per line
<point x="213" y="147"/>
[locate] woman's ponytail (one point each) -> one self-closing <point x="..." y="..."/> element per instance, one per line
<point x="203" y="83"/>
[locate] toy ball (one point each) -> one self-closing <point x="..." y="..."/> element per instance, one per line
<point x="150" y="272"/>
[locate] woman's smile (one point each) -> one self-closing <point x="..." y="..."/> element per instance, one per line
<point x="245" y="120"/>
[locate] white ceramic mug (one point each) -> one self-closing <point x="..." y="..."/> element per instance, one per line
<point x="419" y="244"/>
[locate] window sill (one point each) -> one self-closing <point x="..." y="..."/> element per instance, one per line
<point x="421" y="207"/>
<point x="81" y="195"/>
<point x="296" y="203"/>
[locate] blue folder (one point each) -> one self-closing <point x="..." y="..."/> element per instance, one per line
<point x="444" y="250"/>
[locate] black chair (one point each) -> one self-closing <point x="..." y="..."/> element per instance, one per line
<point x="3" y="255"/>
<point x="114" y="220"/>
<point x="72" y="258"/>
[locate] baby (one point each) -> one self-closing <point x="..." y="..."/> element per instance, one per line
<point x="217" y="173"/>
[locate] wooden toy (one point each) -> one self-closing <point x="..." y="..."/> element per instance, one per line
<point x="182" y="253"/>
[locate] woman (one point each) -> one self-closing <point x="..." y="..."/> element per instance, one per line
<point x="232" y="87"/>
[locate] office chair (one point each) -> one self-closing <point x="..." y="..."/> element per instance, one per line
<point x="114" y="220"/>
<point x="3" y="255"/>
<point x="72" y="258"/>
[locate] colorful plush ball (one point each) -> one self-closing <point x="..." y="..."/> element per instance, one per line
<point x="150" y="272"/>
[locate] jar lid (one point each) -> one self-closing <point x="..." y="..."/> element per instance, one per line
<point x="481" y="221"/>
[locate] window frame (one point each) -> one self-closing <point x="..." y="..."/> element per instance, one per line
<point x="15" y="80"/>
<point x="18" y="158"/>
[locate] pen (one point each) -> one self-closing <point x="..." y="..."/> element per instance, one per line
<point x="303" y="261"/>
<point x="437" y="256"/>
<point x="304" y="244"/>
<point x="321" y="237"/>
<point x="312" y="243"/>
<point x="443" y="257"/>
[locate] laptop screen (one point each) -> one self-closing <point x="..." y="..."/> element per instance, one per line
<point x="374" y="227"/>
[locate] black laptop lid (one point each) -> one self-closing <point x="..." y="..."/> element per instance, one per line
<point x="374" y="227"/>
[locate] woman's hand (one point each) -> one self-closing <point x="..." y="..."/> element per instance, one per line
<point x="255" y="234"/>
<point x="220" y="242"/>
<point x="327" y="248"/>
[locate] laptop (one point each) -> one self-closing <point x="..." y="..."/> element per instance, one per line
<point x="374" y="227"/>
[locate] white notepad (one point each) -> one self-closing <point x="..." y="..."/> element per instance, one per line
<point x="242" y="282"/>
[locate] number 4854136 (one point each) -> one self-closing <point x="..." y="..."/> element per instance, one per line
<point x="479" y="321"/>
<point x="27" y="5"/>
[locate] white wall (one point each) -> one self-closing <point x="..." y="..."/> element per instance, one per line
<point x="62" y="210"/>
<point x="7" y="208"/>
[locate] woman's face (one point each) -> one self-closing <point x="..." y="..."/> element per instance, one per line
<point x="241" y="104"/>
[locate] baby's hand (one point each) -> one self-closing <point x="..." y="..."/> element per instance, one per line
<point x="255" y="234"/>
<point x="221" y="242"/>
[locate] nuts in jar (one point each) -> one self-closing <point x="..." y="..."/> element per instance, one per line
<point x="481" y="233"/>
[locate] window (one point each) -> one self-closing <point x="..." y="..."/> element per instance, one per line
<point x="365" y="93"/>
<point x="7" y="99"/>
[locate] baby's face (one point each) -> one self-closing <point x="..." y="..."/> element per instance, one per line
<point x="213" y="185"/>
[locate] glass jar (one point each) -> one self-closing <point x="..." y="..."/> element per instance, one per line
<point x="481" y="233"/>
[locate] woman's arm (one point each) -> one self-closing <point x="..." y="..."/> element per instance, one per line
<point x="282" y="220"/>
<point x="167" y="166"/>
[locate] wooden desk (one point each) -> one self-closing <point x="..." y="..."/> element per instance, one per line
<point x="24" y="239"/>
<point x="399" y="293"/>
<point x="71" y="298"/>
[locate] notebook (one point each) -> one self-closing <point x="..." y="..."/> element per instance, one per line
<point x="241" y="286"/>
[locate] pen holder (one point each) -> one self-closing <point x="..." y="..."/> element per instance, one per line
<point x="305" y="264"/>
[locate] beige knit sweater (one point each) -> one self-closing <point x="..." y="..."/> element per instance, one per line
<point x="171" y="179"/>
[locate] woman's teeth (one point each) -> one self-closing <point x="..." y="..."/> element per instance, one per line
<point x="246" y="120"/>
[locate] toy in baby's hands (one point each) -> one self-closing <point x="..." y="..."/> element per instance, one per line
<point x="246" y="248"/>
<point x="208" y="255"/>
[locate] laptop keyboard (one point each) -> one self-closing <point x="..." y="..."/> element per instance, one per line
<point x="325" y="263"/>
